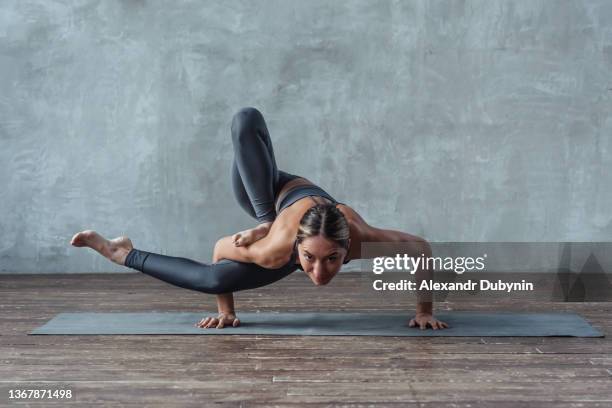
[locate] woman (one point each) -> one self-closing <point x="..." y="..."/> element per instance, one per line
<point x="299" y="226"/>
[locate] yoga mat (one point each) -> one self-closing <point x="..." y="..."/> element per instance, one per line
<point x="324" y="324"/>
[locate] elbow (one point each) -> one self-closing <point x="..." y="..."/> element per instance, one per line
<point x="417" y="244"/>
<point x="426" y="248"/>
<point x="217" y="252"/>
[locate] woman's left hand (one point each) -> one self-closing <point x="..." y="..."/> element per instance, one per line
<point x="423" y="320"/>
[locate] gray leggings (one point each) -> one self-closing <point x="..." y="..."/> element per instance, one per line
<point x="255" y="178"/>
<point x="256" y="182"/>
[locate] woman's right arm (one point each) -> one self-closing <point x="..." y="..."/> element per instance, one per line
<point x="225" y="249"/>
<point x="269" y="252"/>
<point x="266" y="252"/>
<point x="225" y="308"/>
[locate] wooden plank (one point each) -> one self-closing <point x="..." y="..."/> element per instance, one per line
<point x="259" y="370"/>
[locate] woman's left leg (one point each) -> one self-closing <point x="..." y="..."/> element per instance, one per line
<point x="255" y="177"/>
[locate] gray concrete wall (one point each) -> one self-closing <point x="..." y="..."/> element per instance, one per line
<point x="455" y="121"/>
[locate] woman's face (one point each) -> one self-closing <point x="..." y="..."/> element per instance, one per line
<point x="321" y="259"/>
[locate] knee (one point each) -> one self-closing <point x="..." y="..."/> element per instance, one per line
<point x="217" y="278"/>
<point x="212" y="283"/>
<point x="217" y="251"/>
<point x="214" y="288"/>
<point x="247" y="111"/>
<point x="243" y="119"/>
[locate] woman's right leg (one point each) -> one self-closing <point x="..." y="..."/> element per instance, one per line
<point x="224" y="276"/>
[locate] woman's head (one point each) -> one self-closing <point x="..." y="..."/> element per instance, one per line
<point x="323" y="240"/>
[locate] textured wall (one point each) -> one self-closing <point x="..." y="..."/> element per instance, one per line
<point x="458" y="120"/>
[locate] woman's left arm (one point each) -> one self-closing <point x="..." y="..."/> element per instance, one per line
<point x="414" y="246"/>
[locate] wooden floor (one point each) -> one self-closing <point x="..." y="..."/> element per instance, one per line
<point x="263" y="371"/>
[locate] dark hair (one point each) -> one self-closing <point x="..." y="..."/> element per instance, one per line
<point x="325" y="220"/>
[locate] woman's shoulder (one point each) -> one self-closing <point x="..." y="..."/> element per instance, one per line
<point x="355" y="220"/>
<point x="277" y="246"/>
<point x="359" y="230"/>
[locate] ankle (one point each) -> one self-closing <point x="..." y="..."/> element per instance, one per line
<point x="119" y="255"/>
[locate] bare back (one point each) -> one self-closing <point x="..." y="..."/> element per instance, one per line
<point x="285" y="227"/>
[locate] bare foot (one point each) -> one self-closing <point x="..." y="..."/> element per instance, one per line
<point x="115" y="249"/>
<point x="247" y="237"/>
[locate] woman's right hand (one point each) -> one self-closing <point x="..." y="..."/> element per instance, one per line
<point x="219" y="322"/>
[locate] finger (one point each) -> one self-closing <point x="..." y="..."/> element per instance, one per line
<point x="221" y="323"/>
<point x="202" y="322"/>
<point x="435" y="325"/>
<point x="445" y="325"/>
<point x="211" y="323"/>
<point x="236" y="323"/>
<point x="423" y="325"/>
<point x="412" y="323"/>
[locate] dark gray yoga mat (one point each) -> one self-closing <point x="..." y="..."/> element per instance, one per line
<point x="324" y="324"/>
